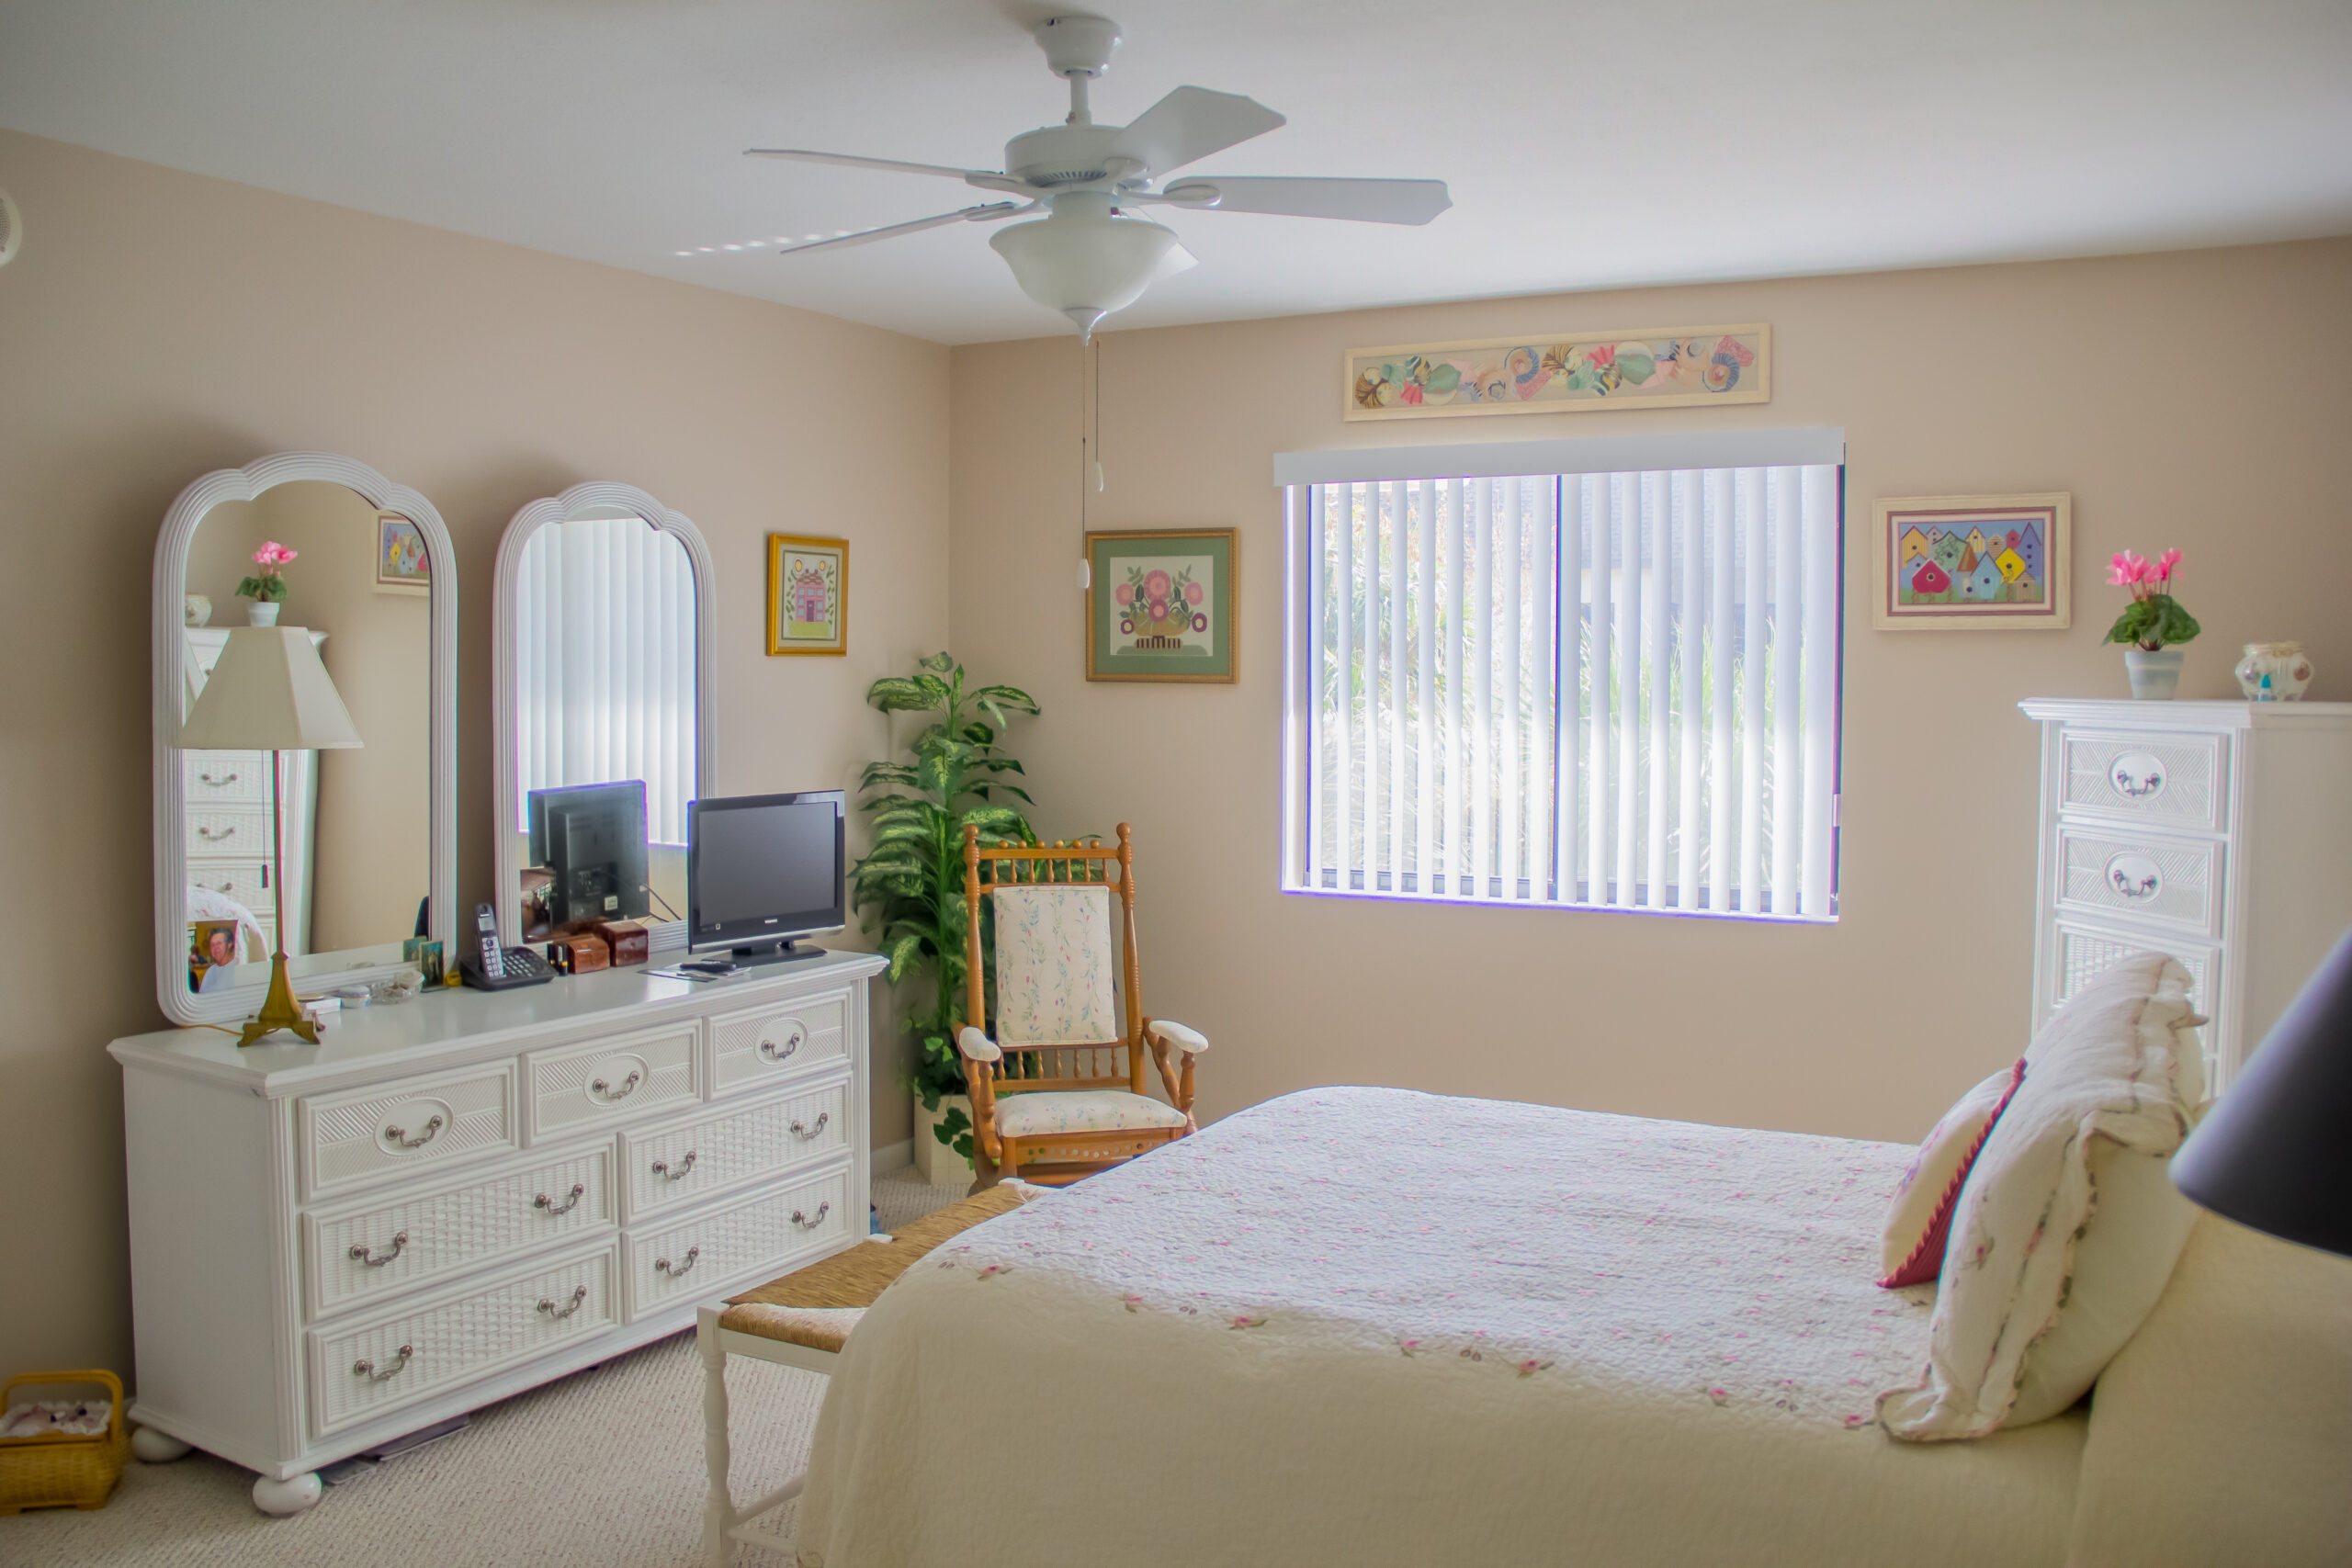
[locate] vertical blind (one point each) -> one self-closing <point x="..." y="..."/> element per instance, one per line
<point x="604" y="659"/>
<point x="1603" y="690"/>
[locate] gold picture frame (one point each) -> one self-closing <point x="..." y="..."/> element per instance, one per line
<point x="807" y="596"/>
<point x="1163" y="604"/>
<point x="1996" y="563"/>
<point x="1634" y="368"/>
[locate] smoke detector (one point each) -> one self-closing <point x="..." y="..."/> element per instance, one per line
<point x="12" y="230"/>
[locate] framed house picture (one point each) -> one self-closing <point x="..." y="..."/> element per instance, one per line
<point x="1972" y="563"/>
<point x="1159" y="605"/>
<point x="807" y="594"/>
<point x="402" y="564"/>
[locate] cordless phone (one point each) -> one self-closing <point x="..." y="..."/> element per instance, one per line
<point x="497" y="968"/>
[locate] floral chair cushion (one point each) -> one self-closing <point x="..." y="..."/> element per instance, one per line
<point x="1052" y="967"/>
<point x="1045" y="1112"/>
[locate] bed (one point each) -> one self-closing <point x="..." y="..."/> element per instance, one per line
<point x="1371" y="1326"/>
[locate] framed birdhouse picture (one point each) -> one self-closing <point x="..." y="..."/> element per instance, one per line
<point x="1972" y="563"/>
<point x="807" y="594"/>
<point x="1159" y="605"/>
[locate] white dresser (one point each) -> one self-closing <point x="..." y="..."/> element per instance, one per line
<point x="450" y="1200"/>
<point x="2218" y="832"/>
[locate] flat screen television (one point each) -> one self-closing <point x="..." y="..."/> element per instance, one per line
<point x="763" y="870"/>
<point x="591" y="837"/>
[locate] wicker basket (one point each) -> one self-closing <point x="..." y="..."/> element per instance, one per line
<point x="61" y="1470"/>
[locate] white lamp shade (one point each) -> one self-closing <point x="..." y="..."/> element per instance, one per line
<point x="268" y="691"/>
<point x="1086" y="263"/>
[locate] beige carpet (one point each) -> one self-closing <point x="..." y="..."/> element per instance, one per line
<point x="602" y="1468"/>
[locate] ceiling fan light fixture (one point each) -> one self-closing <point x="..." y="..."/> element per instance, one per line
<point x="1085" y="262"/>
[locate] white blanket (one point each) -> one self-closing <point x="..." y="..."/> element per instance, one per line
<point x="1368" y="1327"/>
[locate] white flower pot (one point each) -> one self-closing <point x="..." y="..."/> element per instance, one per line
<point x="261" y="613"/>
<point x="941" y="1165"/>
<point x="2155" y="676"/>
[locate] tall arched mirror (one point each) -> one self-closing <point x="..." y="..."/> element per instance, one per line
<point x="604" y="691"/>
<point x="331" y="855"/>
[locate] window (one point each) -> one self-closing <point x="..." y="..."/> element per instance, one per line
<point x="1590" y="674"/>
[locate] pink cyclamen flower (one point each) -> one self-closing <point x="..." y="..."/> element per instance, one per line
<point x="272" y="553"/>
<point x="2162" y="572"/>
<point x="2126" y="568"/>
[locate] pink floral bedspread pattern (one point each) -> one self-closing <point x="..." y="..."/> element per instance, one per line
<point x="1721" y="1267"/>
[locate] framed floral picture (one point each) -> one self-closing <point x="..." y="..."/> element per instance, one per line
<point x="807" y="594"/>
<point x="1159" y="605"/>
<point x="402" y="564"/>
<point x="1972" y="563"/>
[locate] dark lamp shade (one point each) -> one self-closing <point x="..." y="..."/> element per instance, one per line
<point x="2276" y="1150"/>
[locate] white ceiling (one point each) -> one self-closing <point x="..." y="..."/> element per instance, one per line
<point x="1590" y="144"/>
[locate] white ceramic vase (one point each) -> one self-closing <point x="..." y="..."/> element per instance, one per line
<point x="261" y="613"/>
<point x="2274" y="672"/>
<point x="941" y="1165"/>
<point x="2155" y="676"/>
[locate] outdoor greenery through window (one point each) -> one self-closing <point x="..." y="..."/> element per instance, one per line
<point x="1598" y="689"/>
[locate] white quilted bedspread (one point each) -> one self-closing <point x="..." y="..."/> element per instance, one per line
<point x="1368" y="1325"/>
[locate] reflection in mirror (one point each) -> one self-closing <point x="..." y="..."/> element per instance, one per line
<point x="354" y="825"/>
<point x="605" y="692"/>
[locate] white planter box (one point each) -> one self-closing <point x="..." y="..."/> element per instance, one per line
<point x="941" y="1165"/>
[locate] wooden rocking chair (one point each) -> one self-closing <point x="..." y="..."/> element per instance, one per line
<point x="1059" y="1093"/>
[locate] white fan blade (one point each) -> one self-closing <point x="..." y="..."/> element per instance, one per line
<point x="1178" y="259"/>
<point x="1363" y="202"/>
<point x="1190" y="123"/>
<point x="968" y="215"/>
<point x="987" y="179"/>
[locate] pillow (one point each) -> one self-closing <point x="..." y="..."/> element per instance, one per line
<point x="1911" y="1248"/>
<point x="2116" y="1071"/>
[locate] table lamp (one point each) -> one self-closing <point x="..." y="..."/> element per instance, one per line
<point x="2272" y="1153"/>
<point x="269" y="692"/>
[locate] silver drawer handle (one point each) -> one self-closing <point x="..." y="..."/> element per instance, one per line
<point x="399" y="1135"/>
<point x="570" y="1200"/>
<point x="806" y="1223"/>
<point x="679" y="1273"/>
<point x="366" y="1255"/>
<point x="204" y="832"/>
<point x="208" y="778"/>
<point x="627" y="1086"/>
<point x="685" y="1168"/>
<point x="561" y="1312"/>
<point x="2142" y="887"/>
<point x="2135" y="786"/>
<point x="366" y="1368"/>
<point x="223" y="887"/>
<point x="775" y="1052"/>
<point x="822" y="1117"/>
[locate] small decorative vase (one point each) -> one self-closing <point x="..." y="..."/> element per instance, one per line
<point x="2155" y="676"/>
<point x="2274" y="672"/>
<point x="200" y="609"/>
<point x="261" y="613"/>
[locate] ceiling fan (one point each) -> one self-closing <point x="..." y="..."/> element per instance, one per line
<point x="1091" y="255"/>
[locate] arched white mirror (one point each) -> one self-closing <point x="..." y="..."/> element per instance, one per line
<point x="328" y="854"/>
<point x="604" y="691"/>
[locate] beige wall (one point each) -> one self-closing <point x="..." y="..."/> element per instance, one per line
<point x="2186" y="400"/>
<point x="158" y="325"/>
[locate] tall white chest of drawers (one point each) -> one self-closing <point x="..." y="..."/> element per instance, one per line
<point x="448" y="1200"/>
<point x="2218" y="832"/>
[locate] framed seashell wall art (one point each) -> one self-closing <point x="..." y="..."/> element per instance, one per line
<point x="1651" y="367"/>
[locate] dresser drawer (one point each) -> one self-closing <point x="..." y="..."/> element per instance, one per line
<point x="210" y="778"/>
<point x="348" y="1138"/>
<point x="605" y="1080"/>
<point x="2081" y="953"/>
<point x="774" y="1232"/>
<point x="362" y="1373"/>
<point x="237" y="830"/>
<point x="2169" y="882"/>
<point x="2170" y="779"/>
<point x="246" y="881"/>
<point x="669" y="1168"/>
<point x="367" y="1252"/>
<point x="778" y="1041"/>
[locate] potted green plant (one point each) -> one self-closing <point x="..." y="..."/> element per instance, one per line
<point x="2152" y="626"/>
<point x="909" y="885"/>
<point x="267" y="587"/>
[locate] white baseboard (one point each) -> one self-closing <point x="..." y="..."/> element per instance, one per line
<point x="894" y="1157"/>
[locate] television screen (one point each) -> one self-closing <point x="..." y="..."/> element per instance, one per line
<point x="761" y="868"/>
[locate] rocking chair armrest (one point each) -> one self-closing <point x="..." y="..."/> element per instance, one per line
<point x="976" y="1046"/>
<point x="1191" y="1042"/>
